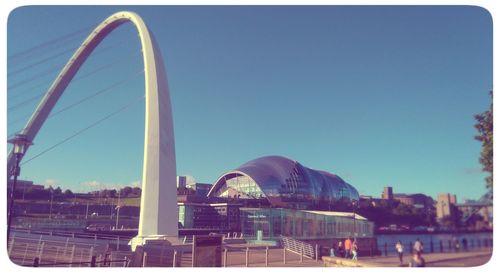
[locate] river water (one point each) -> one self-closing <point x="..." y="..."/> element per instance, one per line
<point x="431" y="242"/>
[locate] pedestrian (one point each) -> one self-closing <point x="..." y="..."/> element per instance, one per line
<point x="418" y="246"/>
<point x="340" y="249"/>
<point x="400" y="250"/>
<point x="347" y="246"/>
<point x="417" y="260"/>
<point x="354" y="250"/>
<point x="332" y="251"/>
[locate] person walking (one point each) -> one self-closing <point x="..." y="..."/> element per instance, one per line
<point x="418" y="246"/>
<point x="340" y="249"/>
<point x="417" y="260"/>
<point x="332" y="250"/>
<point x="354" y="250"/>
<point x="347" y="246"/>
<point x="400" y="250"/>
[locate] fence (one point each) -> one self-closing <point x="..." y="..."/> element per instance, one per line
<point x="299" y="247"/>
<point x="440" y="246"/>
<point x="53" y="251"/>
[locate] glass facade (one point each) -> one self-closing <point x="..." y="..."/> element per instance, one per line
<point x="302" y="224"/>
<point x="239" y="186"/>
<point x="285" y="183"/>
<point x="223" y="217"/>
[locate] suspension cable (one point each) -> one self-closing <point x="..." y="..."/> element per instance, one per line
<point x="30" y="51"/>
<point x="85" y="129"/>
<point x="58" y="66"/>
<point x="102" y="91"/>
<point x="77" y="77"/>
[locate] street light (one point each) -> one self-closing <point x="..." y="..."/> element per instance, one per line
<point x="20" y="142"/>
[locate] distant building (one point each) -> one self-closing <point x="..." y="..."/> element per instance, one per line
<point x="387" y="193"/>
<point x="417" y="200"/>
<point x="181" y="181"/>
<point x="23" y="185"/>
<point x="280" y="182"/>
<point x="444" y="206"/>
<point x="201" y="189"/>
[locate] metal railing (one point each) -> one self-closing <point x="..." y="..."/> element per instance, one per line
<point x="299" y="247"/>
<point x="94" y="262"/>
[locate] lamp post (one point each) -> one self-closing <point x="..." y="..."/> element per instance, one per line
<point x="20" y="143"/>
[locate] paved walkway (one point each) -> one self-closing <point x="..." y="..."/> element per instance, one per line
<point x="257" y="255"/>
<point x="458" y="259"/>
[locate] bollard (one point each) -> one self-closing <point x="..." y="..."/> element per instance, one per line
<point x="267" y="256"/>
<point x="432" y="246"/>
<point x="385" y="249"/>
<point x="246" y="257"/>
<point x="284" y="255"/>
<point x="175" y="259"/>
<point x="117" y="243"/>
<point x="317" y="254"/>
<point x="225" y="257"/>
<point x="302" y="254"/>
<point x="93" y="261"/>
<point x="144" y="259"/>
<point x="440" y="246"/>
<point x="36" y="262"/>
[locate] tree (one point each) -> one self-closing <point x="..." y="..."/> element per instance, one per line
<point x="484" y="127"/>
<point x="68" y="194"/>
<point x="111" y="193"/>
<point x="124" y="192"/>
<point x="58" y="191"/>
<point x="136" y="191"/>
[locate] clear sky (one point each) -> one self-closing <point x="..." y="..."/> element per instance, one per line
<point x="377" y="95"/>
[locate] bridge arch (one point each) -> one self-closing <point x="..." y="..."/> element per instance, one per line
<point x="158" y="200"/>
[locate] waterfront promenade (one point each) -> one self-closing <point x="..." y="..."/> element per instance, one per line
<point x="451" y="259"/>
<point x="256" y="258"/>
<point x="59" y="249"/>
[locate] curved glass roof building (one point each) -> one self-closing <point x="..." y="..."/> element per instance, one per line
<point x="284" y="183"/>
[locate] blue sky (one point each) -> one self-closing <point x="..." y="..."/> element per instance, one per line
<point x="378" y="95"/>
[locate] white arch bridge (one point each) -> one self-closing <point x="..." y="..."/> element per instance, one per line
<point x="158" y="201"/>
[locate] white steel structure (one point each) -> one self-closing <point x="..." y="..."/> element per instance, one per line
<point x="158" y="215"/>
